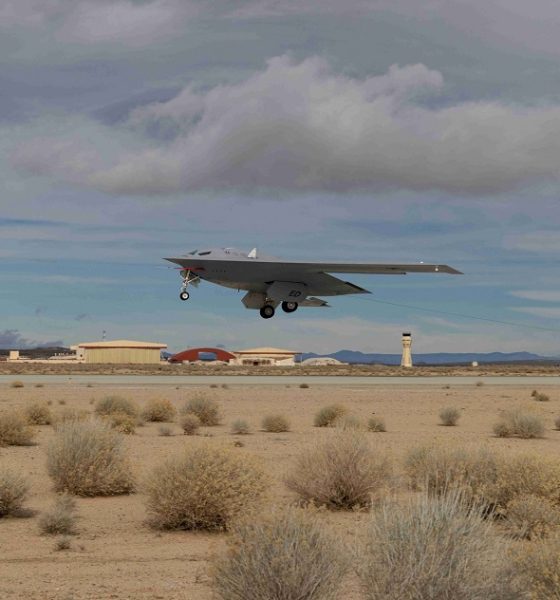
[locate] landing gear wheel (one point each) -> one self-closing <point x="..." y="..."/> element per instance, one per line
<point x="267" y="311"/>
<point x="289" y="307"/>
<point x="184" y="295"/>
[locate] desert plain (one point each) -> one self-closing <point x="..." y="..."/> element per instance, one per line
<point x="117" y="555"/>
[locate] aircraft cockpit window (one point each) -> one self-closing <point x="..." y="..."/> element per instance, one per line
<point x="204" y="253"/>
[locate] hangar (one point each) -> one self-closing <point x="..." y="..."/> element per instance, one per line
<point x="265" y="357"/>
<point x="203" y="354"/>
<point x="121" y="352"/>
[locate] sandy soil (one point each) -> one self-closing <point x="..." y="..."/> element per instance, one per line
<point x="116" y="555"/>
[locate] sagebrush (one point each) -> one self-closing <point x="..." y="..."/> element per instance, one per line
<point x="206" y="409"/>
<point x="159" y="410"/>
<point x="190" y="424"/>
<point x="433" y="548"/>
<point x="87" y="458"/>
<point x="13" y="492"/>
<point x="240" y="427"/>
<point x="14" y="430"/>
<point x="38" y="413"/>
<point x="519" y="424"/>
<point x="449" y="416"/>
<point x="61" y="518"/>
<point x="280" y="556"/>
<point x="205" y="487"/>
<point x="328" y="415"/>
<point x="341" y="472"/>
<point x="275" y="423"/>
<point x="116" y="404"/>
<point x="376" y="424"/>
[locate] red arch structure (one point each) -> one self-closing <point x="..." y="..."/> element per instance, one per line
<point x="192" y="354"/>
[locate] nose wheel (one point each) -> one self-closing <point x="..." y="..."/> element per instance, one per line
<point x="184" y="295"/>
<point x="188" y="279"/>
<point x="267" y="311"/>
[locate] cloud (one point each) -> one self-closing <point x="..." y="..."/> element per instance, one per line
<point x="544" y="241"/>
<point x="300" y="127"/>
<point x="125" y="22"/>
<point x="539" y="311"/>
<point x="11" y="339"/>
<point x="539" y="295"/>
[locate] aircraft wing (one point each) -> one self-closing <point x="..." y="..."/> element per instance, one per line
<point x="379" y="268"/>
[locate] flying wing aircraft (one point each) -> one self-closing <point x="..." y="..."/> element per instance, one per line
<point x="271" y="281"/>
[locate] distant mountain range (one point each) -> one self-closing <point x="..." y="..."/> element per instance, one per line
<point x="439" y="358"/>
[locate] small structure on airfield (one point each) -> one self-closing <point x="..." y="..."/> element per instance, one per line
<point x="205" y="355"/>
<point x="121" y="352"/>
<point x="257" y="357"/>
<point x="406" y="360"/>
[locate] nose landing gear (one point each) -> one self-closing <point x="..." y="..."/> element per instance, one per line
<point x="188" y="279"/>
<point x="184" y="295"/>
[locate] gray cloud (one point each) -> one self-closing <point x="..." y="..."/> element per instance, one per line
<point x="301" y="127"/>
<point x="12" y="339"/>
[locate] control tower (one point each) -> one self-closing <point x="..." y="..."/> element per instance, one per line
<point x="406" y="360"/>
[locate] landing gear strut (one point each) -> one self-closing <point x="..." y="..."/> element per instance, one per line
<point x="289" y="307"/>
<point x="267" y="311"/>
<point x="188" y="278"/>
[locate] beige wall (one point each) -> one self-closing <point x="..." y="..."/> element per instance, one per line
<point x="122" y="355"/>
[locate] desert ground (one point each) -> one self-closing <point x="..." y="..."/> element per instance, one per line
<point x="117" y="555"/>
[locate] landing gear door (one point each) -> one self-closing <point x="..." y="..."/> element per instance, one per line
<point x="287" y="291"/>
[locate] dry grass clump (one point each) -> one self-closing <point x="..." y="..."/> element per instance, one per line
<point x="206" y="487"/>
<point x="14" y="430"/>
<point x="281" y="556"/>
<point x="529" y="516"/>
<point x="159" y="410"/>
<point x="122" y="422"/>
<point x="539" y="397"/>
<point x="116" y="404"/>
<point x="13" y="492"/>
<point x="304" y="386"/>
<point x="17" y="384"/>
<point x="433" y="548"/>
<point x="240" y="427"/>
<point x="63" y="543"/>
<point x="61" y="519"/>
<point x="376" y="424"/>
<point x="87" y="458"/>
<point x="70" y="414"/>
<point x="275" y="424"/>
<point x="342" y="472"/>
<point x="165" y="431"/>
<point x="519" y="424"/>
<point x="538" y="565"/>
<point x="557" y="423"/>
<point x="190" y="424"/>
<point x="328" y="415"/>
<point x="38" y="414"/>
<point x="350" y="422"/>
<point x="206" y="409"/>
<point x="449" y="416"/>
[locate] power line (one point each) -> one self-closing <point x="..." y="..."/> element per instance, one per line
<point x="456" y="314"/>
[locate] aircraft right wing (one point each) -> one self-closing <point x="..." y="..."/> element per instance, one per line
<point x="379" y="268"/>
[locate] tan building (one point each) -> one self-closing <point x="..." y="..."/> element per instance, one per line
<point x="121" y="352"/>
<point x="264" y="357"/>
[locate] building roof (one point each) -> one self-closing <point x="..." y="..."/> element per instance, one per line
<point x="266" y="350"/>
<point x="122" y="344"/>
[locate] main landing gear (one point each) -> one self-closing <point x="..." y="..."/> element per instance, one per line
<point x="267" y="311"/>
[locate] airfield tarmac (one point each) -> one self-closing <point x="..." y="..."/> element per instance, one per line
<point x="117" y="556"/>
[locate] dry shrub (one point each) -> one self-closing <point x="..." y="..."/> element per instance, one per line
<point x="17" y="384"/>
<point x="519" y="424"/>
<point x="529" y="517"/>
<point x="275" y="424"/>
<point x="304" y="386"/>
<point x="61" y="519"/>
<point x="439" y="470"/>
<point x="70" y="414"/>
<point x="538" y="566"/>
<point x="159" y="410"/>
<point x="449" y="416"/>
<point x="190" y="424"/>
<point x="116" y="404"/>
<point x="38" y="414"/>
<point x="376" y="424"/>
<point x="540" y="397"/>
<point x="350" y="422"/>
<point x="557" y="423"/>
<point x="240" y="427"/>
<point x="341" y="472"/>
<point x="328" y="415"/>
<point x="13" y="492"/>
<point x="206" y="409"/>
<point x="63" y="543"/>
<point x="165" y="431"/>
<point x="433" y="548"/>
<point x="87" y="458"/>
<point x="14" y="430"/>
<point x="206" y="487"/>
<point x="121" y="422"/>
<point x="281" y="556"/>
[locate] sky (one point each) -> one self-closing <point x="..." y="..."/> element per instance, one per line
<point x="380" y="131"/>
